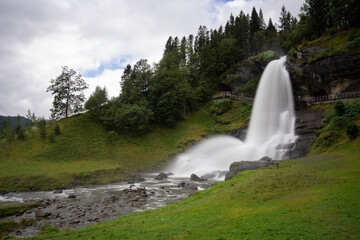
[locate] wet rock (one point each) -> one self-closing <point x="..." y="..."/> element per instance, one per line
<point x="214" y="174"/>
<point x="71" y="196"/>
<point x="58" y="191"/>
<point x="195" y="177"/>
<point x="161" y="176"/>
<point x="187" y="185"/>
<point x="306" y="126"/>
<point x="191" y="186"/>
<point x="41" y="214"/>
<point x="134" y="178"/>
<point x="169" y="174"/>
<point x="237" y="167"/>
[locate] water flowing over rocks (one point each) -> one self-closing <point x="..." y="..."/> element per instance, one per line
<point x="237" y="167"/>
<point x="161" y="176"/>
<point x="94" y="204"/>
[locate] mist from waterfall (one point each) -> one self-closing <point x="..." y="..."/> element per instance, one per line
<point x="272" y="125"/>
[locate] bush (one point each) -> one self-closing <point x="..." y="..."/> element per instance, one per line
<point x="336" y="123"/>
<point x="352" y="130"/>
<point x="339" y="108"/>
<point x="132" y="118"/>
<point x="220" y="107"/>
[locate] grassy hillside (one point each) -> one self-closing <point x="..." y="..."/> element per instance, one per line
<point x="310" y="198"/>
<point x="85" y="153"/>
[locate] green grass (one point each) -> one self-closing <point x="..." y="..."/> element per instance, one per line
<point x="85" y="153"/>
<point x="12" y="209"/>
<point x="310" y="198"/>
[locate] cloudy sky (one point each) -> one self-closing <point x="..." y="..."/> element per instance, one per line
<point x="97" y="38"/>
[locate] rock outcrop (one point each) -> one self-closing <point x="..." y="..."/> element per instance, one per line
<point x="307" y="123"/>
<point x="248" y="69"/>
<point x="331" y="75"/>
<point x="237" y="167"/>
<point x="161" y="176"/>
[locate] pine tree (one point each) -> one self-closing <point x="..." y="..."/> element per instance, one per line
<point x="262" y="21"/>
<point x="255" y="26"/>
<point x="285" y="19"/>
<point x="67" y="89"/>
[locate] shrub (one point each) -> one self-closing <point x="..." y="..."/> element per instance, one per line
<point x="352" y="130"/>
<point x="339" y="108"/>
<point x="220" y="107"/>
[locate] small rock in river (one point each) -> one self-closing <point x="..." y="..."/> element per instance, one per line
<point x="71" y="196"/>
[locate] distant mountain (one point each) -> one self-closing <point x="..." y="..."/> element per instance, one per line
<point x="13" y="121"/>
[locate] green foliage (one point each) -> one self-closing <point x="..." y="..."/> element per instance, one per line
<point x="340" y="49"/>
<point x="9" y="210"/>
<point x="41" y="124"/>
<point x="7" y="227"/>
<point x="96" y="102"/>
<point x="250" y="87"/>
<point x="133" y="118"/>
<point x="335" y="124"/>
<point x="67" y="89"/>
<point x="220" y="107"/>
<point x="352" y="130"/>
<point x="339" y="108"/>
<point x="21" y="134"/>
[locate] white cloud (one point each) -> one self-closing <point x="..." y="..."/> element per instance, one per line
<point x="40" y="36"/>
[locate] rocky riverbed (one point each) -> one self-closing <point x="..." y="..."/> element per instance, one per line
<point x="84" y="206"/>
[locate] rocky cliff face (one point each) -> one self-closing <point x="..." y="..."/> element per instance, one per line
<point x="331" y="75"/>
<point x="247" y="70"/>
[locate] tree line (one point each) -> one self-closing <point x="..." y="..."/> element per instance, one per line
<point x="193" y="67"/>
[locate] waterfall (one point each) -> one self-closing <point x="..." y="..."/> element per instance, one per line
<point x="271" y="126"/>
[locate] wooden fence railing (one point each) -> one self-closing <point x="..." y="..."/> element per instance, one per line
<point x="308" y="100"/>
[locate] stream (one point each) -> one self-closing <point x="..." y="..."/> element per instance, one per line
<point x="84" y="206"/>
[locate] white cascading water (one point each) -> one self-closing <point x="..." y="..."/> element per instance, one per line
<point x="271" y="126"/>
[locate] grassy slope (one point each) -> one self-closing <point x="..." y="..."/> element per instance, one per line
<point x="85" y="153"/>
<point x="310" y="198"/>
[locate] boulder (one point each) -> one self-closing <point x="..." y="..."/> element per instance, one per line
<point x="134" y="178"/>
<point x="187" y="185"/>
<point x="58" y="191"/>
<point x="41" y="214"/>
<point x="71" y="196"/>
<point x="237" y="167"/>
<point x="195" y="177"/>
<point x="161" y="176"/>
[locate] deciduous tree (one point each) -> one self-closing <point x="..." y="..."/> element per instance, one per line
<point x="67" y="89"/>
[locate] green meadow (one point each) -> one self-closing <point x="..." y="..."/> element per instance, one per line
<point x="315" y="197"/>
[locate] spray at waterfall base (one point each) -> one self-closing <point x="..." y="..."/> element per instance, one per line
<point x="272" y="126"/>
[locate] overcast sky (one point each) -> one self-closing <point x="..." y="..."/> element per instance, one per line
<point x="97" y="38"/>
